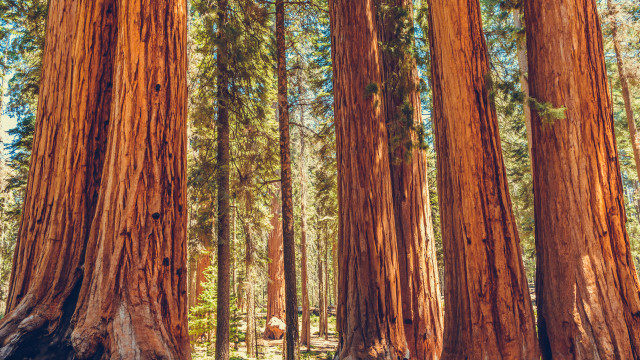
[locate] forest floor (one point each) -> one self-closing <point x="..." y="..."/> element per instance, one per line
<point x="321" y="348"/>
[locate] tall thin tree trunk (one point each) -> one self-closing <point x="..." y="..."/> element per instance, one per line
<point x="588" y="291"/>
<point x="488" y="309"/>
<point x="419" y="280"/>
<point x="624" y="86"/>
<point x="523" y="65"/>
<point x="305" y="338"/>
<point x="250" y="337"/>
<point x="275" y="286"/>
<point x="326" y="290"/>
<point x="193" y="274"/>
<point x="322" y="326"/>
<point x="224" y="210"/>
<point x="234" y="283"/>
<point x="369" y="302"/>
<point x="288" y="238"/>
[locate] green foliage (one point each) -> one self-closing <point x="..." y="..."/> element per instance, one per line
<point x="22" y="26"/>
<point x="202" y="320"/>
<point x="547" y="112"/>
<point x="371" y="89"/>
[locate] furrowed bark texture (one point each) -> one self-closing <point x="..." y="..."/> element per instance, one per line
<point x="134" y="305"/>
<point x="64" y="176"/>
<point x="369" y="301"/>
<point x="419" y="280"/>
<point x="488" y="308"/>
<point x="587" y="287"/>
<point x="224" y="209"/>
<point x="110" y="279"/>
<point x="288" y="237"/>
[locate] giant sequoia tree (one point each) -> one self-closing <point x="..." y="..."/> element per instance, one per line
<point x="488" y="309"/>
<point x="587" y="286"/>
<point x="369" y="308"/>
<point x="100" y="266"/>
<point x="419" y="279"/>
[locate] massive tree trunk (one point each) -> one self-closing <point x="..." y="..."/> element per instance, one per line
<point x="224" y="209"/>
<point x="275" y="286"/>
<point x="288" y="238"/>
<point x="419" y="279"/>
<point x="100" y="237"/>
<point x="488" y="308"/>
<point x="587" y="287"/>
<point x="64" y="177"/>
<point x="133" y="299"/>
<point x="624" y="86"/>
<point x="305" y="337"/>
<point x="369" y="302"/>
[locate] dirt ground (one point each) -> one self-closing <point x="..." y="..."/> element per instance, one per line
<point x="321" y="348"/>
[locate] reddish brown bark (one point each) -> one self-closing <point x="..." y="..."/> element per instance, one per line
<point x="587" y="287"/>
<point x="102" y="237"/>
<point x="275" y="286"/>
<point x="137" y="244"/>
<point x="419" y="278"/>
<point x="288" y="236"/>
<point x="488" y="308"/>
<point x="204" y="262"/>
<point x="64" y="176"/>
<point x="369" y="303"/>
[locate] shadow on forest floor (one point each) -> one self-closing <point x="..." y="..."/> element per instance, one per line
<point x="321" y="348"/>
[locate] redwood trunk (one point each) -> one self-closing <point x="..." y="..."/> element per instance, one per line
<point x="204" y="262"/>
<point x="64" y="177"/>
<point x="419" y="279"/>
<point x="488" y="308"/>
<point x="369" y="302"/>
<point x="101" y="260"/>
<point x="133" y="299"/>
<point x="587" y="287"/>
